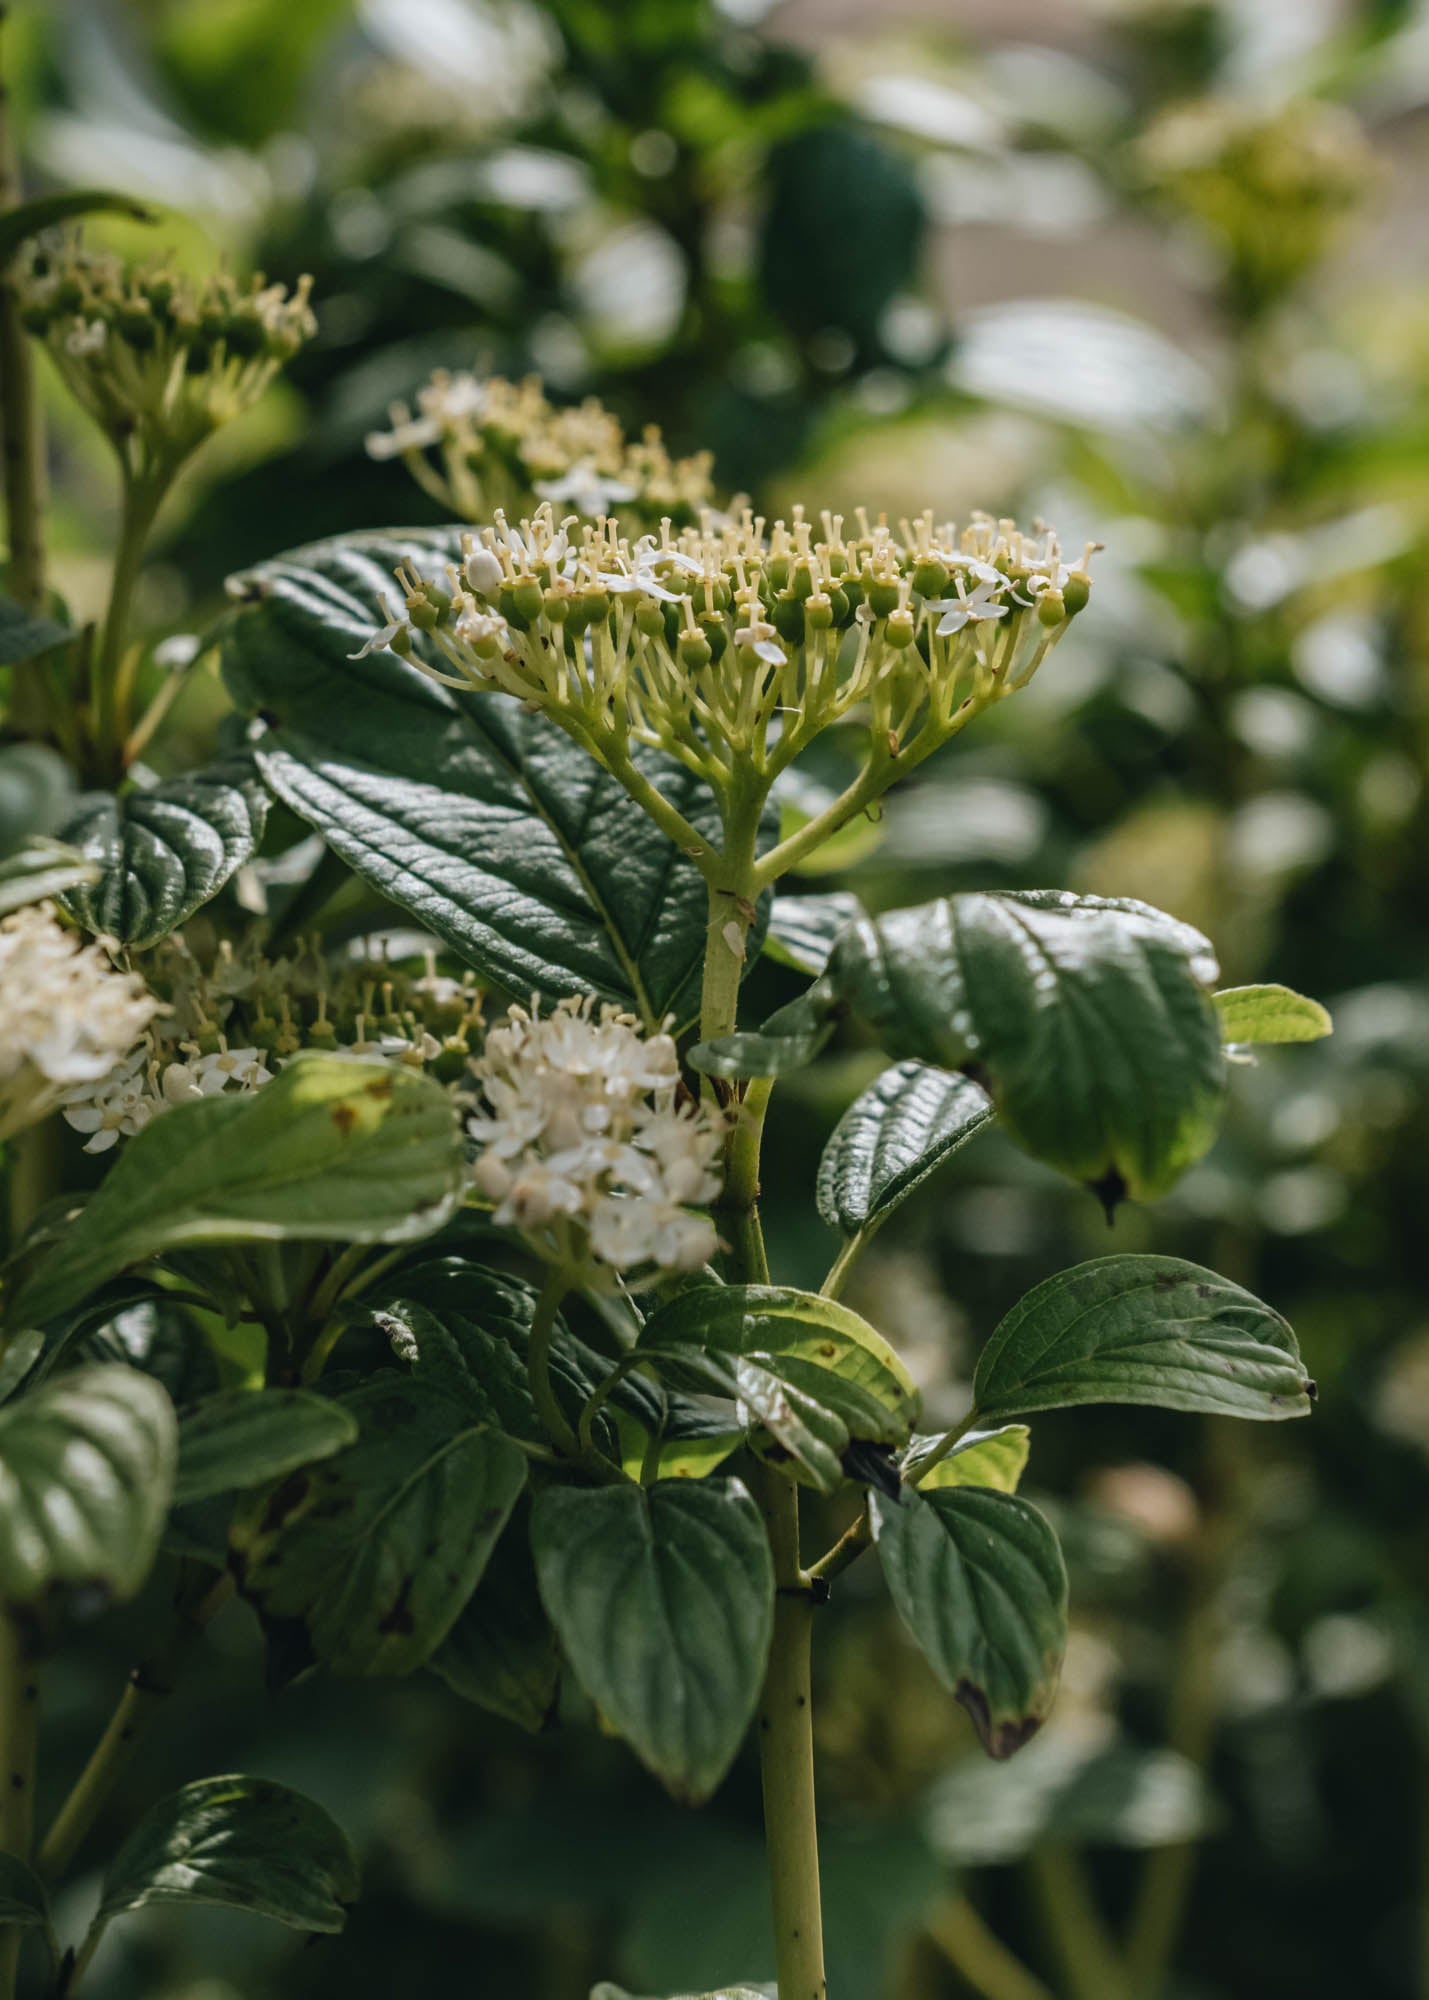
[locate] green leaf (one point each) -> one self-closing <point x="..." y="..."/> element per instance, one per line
<point x="243" y="1843"/>
<point x="22" y="1350"/>
<point x="24" y="635"/>
<point x="374" y="1552"/>
<point x="86" y="1465"/>
<point x="605" y="1991"/>
<point x="23" y="1901"/>
<point x="1089" y="1020"/>
<point x="808" y="1369"/>
<point x="1066" y="1792"/>
<point x="482" y="819"/>
<point x="42" y="868"/>
<point x="35" y="790"/>
<point x="663" y="1597"/>
<point x="246" y="1437"/>
<point x="1270" y="1014"/>
<point x="978" y="1579"/>
<point x="1149" y="1330"/>
<point x="164" y="853"/>
<point x="982" y="1458"/>
<point x="501" y="1653"/>
<point x="790" y="1039"/>
<point x="47" y="211"/>
<point x="335" y="1148"/>
<point x="802" y="929"/>
<point x="908" y="1121"/>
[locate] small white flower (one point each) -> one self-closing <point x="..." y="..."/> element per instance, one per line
<point x="969" y="607"/>
<point x="764" y="642"/>
<point x="587" y="490"/>
<point x="382" y="639"/>
<point x="82" y="341"/>
<point x="244" y="1067"/>
<point x="483" y="571"/>
<point x="67" y="1016"/>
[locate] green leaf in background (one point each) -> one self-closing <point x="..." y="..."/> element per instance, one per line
<point x="86" y="1466"/>
<point x="373" y="1552"/>
<point x="1270" y="1014"/>
<point x="982" y="1458"/>
<point x="24" y="635"/>
<point x="246" y="1437"/>
<point x="47" y="211"/>
<point x="790" y="1039"/>
<point x="244" y="1843"/>
<point x="1089" y="1019"/>
<point x="663" y="1597"/>
<point x="486" y="822"/>
<point x="23" y="1901"/>
<point x="815" y="1375"/>
<point x="22" y="1351"/>
<point x="1067" y="1792"/>
<point x="908" y="1121"/>
<point x="164" y="853"/>
<point x="1150" y="1330"/>
<point x="501" y="1653"/>
<point x="802" y="929"/>
<point x="978" y="1579"/>
<point x="605" y="1991"/>
<point x="334" y="1147"/>
<point x="35" y="789"/>
<point x="40" y="869"/>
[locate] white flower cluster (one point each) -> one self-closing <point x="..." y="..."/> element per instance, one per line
<point x="584" y="1147"/>
<point x="123" y="1102"/>
<point x="499" y="442"/>
<point x="732" y="643"/>
<point x="67" y="1015"/>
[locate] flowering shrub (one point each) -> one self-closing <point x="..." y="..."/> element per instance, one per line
<point x="529" y="1404"/>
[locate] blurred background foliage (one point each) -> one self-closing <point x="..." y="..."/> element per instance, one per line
<point x="1152" y="269"/>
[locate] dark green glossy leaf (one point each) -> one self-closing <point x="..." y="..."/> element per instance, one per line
<point x="802" y="929"/>
<point x="246" y="1437"/>
<point x="48" y="211"/>
<point x="86" y="1466"/>
<point x="982" y="1458"/>
<point x="22" y="1350"/>
<point x="808" y="1369"/>
<point x="1089" y="1020"/>
<point x="23" y="636"/>
<point x="790" y="1039"/>
<point x="23" y="1902"/>
<point x="335" y="1147"/>
<point x="605" y="1991"/>
<point x="41" y="868"/>
<point x="483" y="820"/>
<point x="890" y="1139"/>
<point x="35" y="790"/>
<point x="1142" y="1330"/>
<point x="243" y="1843"/>
<point x="373" y="1552"/>
<point x="501" y="1653"/>
<point x="1270" y="1014"/>
<point x="663" y="1597"/>
<point x="979" y="1581"/>
<point x="164" y="853"/>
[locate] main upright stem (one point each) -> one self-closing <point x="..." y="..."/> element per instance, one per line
<point x="19" y="1723"/>
<point x="786" y="1734"/>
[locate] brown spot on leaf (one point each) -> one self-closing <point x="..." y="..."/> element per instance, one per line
<point x="284" y="1500"/>
<point x="1002" y="1738"/>
<point x="1110" y="1191"/>
<point x="398" y="1617"/>
<point x="381" y="1087"/>
<point x="344" y="1117"/>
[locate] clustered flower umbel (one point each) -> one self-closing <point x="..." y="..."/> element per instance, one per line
<point x="731" y="643"/>
<point x="585" y="1146"/>
<point x="1271" y="183"/>
<point x="159" y="360"/>
<point x="231" y="1021"/>
<point x="501" y="444"/>
<point x="67" y="1015"/>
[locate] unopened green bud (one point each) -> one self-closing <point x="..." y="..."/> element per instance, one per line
<point x="883" y="595"/>
<point x="776" y="572"/>
<point x="1051" y="608"/>
<point x="511" y="610"/>
<point x="695" y="652"/>
<point x="840" y="604"/>
<point x="528" y="597"/>
<point x="555" y="604"/>
<point x="930" y="577"/>
<point x="803" y="582"/>
<point x="1075" y="592"/>
<point x="900" y="629"/>
<point x="818" y="612"/>
<point x="786" y="615"/>
<point x="716" y="634"/>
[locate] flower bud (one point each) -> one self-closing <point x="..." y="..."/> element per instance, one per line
<point x="1075" y="592"/>
<point x="695" y="652"/>
<point x="930" y="577"/>
<point x="528" y="597"/>
<point x="900" y="629"/>
<point x="483" y="571"/>
<point x="650" y="617"/>
<point x="883" y="595"/>
<point x="1051" y="608"/>
<point x="786" y="615"/>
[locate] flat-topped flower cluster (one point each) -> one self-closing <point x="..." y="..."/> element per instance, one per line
<point x="159" y="360"/>
<point x="67" y="1015"/>
<point x="585" y="1146"/>
<point x="731" y="642"/>
<point x="479" y="444"/>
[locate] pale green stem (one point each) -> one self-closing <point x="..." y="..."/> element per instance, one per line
<point x="19" y="1731"/>
<point x="978" y="1955"/>
<point x="1091" y="1966"/>
<point x="23" y="438"/>
<point x="858" y="1535"/>
<point x="833" y="1284"/>
<point x="538" y="1362"/>
<point x="113" y="676"/>
<point x="786" y="1756"/>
